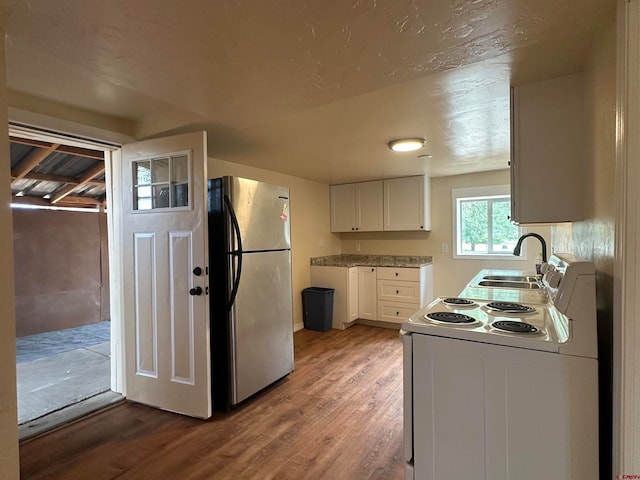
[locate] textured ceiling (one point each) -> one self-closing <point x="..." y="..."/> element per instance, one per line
<point x="310" y="88"/>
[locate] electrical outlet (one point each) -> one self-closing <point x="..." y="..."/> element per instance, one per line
<point x="445" y="247"/>
<point x="357" y="247"/>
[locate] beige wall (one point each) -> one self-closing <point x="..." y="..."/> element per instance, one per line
<point x="593" y="239"/>
<point x="9" y="464"/>
<point x="450" y="274"/>
<point x="310" y="235"/>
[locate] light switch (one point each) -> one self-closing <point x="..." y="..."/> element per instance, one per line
<point x="445" y="247"/>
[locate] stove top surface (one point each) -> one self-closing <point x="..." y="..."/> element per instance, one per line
<point x="510" y="324"/>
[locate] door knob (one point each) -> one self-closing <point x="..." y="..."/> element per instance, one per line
<point x="195" y="291"/>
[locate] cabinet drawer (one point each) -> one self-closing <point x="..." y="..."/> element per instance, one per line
<point x="392" y="273"/>
<point x="396" y="312"/>
<point x="399" y="291"/>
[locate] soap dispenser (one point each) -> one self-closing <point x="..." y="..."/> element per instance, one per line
<point x="539" y="263"/>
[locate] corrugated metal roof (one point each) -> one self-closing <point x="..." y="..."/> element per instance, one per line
<point x="18" y="153"/>
<point x="55" y="173"/>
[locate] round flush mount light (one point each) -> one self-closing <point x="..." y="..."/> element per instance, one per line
<point x="407" y="144"/>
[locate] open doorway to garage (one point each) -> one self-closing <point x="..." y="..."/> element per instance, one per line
<point x="62" y="281"/>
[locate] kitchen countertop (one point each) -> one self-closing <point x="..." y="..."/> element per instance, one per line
<point x="351" y="260"/>
<point x="503" y="294"/>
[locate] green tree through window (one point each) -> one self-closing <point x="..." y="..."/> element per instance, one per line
<point x="484" y="227"/>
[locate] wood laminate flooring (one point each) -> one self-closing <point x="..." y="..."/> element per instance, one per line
<point x="337" y="416"/>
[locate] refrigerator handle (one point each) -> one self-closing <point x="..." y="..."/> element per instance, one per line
<point x="237" y="252"/>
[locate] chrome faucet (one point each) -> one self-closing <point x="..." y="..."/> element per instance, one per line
<point x="516" y="251"/>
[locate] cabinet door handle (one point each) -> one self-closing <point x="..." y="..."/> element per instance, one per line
<point x="373" y="269"/>
<point x="396" y="274"/>
<point x="397" y="313"/>
<point x="397" y="292"/>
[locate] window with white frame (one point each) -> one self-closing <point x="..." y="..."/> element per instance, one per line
<point x="481" y="225"/>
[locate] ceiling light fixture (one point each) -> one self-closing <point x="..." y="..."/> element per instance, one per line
<point x="407" y="144"/>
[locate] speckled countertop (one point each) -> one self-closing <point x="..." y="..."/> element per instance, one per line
<point x="349" y="260"/>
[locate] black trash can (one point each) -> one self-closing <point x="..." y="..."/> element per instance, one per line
<point x="317" y="307"/>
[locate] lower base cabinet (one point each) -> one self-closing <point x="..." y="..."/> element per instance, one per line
<point x="344" y="281"/>
<point x="395" y="312"/>
<point x="402" y="291"/>
<point x="367" y="301"/>
<point x="386" y="294"/>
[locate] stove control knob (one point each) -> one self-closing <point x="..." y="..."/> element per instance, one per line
<point x="554" y="279"/>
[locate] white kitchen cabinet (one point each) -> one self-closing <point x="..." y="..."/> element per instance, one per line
<point x="402" y="291"/>
<point x="374" y="293"/>
<point x="547" y="147"/>
<point x="353" y="291"/>
<point x="367" y="301"/>
<point x="344" y="281"/>
<point x="357" y="207"/>
<point x="407" y="203"/>
<point x="343" y="207"/>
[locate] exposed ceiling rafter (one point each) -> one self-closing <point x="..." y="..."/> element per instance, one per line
<point x="46" y="177"/>
<point x="83" y="180"/>
<point x="51" y="174"/>
<point x="69" y="149"/>
<point x="31" y="162"/>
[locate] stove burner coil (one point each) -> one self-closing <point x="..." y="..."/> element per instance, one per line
<point x="507" y="307"/>
<point x="450" y="317"/>
<point x="463" y="302"/>
<point x="512" y="326"/>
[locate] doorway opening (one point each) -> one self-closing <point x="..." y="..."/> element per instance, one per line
<point x="63" y="328"/>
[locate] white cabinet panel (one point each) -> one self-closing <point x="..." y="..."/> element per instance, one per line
<point x="399" y="273"/>
<point x="399" y="291"/>
<point x="344" y="281"/>
<point x="369" y="206"/>
<point x="406" y="203"/>
<point x="396" y="312"/>
<point x="357" y="207"/>
<point x="353" y="292"/>
<point x="343" y="212"/>
<point x="547" y="148"/>
<point x="367" y="305"/>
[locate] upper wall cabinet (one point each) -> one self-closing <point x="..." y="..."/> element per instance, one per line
<point x="406" y="203"/>
<point x="356" y="207"/>
<point x="395" y="204"/>
<point x="548" y="161"/>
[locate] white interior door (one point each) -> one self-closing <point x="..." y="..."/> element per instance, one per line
<point x="165" y="301"/>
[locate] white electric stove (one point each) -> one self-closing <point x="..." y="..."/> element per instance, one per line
<point x="501" y="382"/>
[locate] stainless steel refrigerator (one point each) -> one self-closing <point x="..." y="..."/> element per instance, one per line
<point x="250" y="283"/>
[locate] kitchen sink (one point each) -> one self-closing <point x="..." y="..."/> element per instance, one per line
<point x="511" y="278"/>
<point x="506" y="284"/>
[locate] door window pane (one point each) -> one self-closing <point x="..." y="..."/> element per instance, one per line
<point x="181" y="195"/>
<point x="160" y="170"/>
<point x="142" y="172"/>
<point x="161" y="183"/>
<point x="180" y="169"/>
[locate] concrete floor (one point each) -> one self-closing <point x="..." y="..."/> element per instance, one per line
<point x="56" y="370"/>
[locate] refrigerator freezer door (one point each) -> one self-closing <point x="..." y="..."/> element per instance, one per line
<point x="262" y="211"/>
<point x="261" y="324"/>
